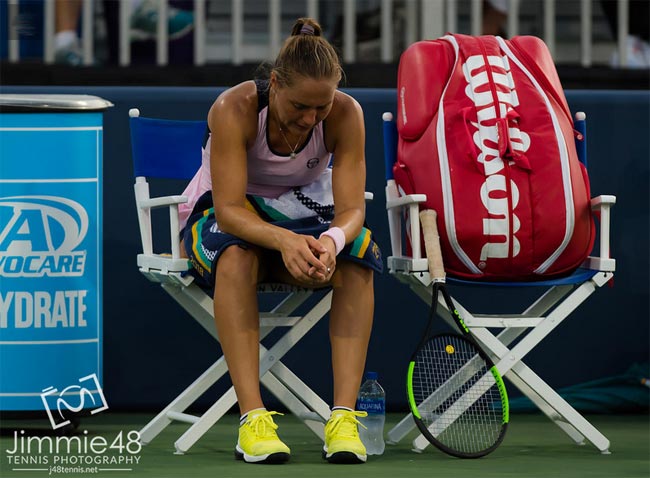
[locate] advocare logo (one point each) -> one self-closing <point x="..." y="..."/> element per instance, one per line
<point x="39" y="235"/>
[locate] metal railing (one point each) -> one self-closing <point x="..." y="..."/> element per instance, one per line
<point x="422" y="19"/>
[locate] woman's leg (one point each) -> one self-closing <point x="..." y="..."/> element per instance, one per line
<point x="351" y="317"/>
<point x="350" y="325"/>
<point x="237" y="318"/>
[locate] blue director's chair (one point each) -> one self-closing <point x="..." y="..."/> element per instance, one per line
<point x="518" y="333"/>
<point x="171" y="149"/>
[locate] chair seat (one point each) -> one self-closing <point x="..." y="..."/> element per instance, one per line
<point x="506" y="338"/>
<point x="578" y="277"/>
<point x="170" y="149"/>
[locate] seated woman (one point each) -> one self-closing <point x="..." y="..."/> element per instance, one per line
<point x="266" y="188"/>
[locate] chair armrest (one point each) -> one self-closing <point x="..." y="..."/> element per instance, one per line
<point x="162" y="264"/>
<point x="406" y="200"/>
<point x="145" y="204"/>
<point x="602" y="205"/>
<point x="396" y="205"/>
<point x="161" y="201"/>
<point x="602" y="201"/>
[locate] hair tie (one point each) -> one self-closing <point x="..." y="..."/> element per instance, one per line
<point x="307" y="30"/>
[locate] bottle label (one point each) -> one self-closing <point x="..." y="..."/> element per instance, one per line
<point x="372" y="406"/>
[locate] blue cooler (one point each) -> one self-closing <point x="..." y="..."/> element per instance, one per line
<point x="51" y="254"/>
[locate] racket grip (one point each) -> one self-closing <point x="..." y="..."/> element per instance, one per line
<point x="428" y="219"/>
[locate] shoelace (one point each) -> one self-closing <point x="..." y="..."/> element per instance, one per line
<point x="345" y="424"/>
<point x="263" y="425"/>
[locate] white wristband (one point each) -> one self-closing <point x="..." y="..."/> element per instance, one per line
<point x="337" y="235"/>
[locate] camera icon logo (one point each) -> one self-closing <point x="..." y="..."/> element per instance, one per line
<point x="72" y="399"/>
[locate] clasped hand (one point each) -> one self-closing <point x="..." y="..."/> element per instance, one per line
<point x="309" y="260"/>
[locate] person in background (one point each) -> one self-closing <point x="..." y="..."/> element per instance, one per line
<point x="67" y="47"/>
<point x="144" y="24"/>
<point x="265" y="206"/>
<point x="495" y="15"/>
<point x="637" y="42"/>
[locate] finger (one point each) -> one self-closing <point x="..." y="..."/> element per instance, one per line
<point x="319" y="278"/>
<point x="318" y="275"/>
<point x="314" y="261"/>
<point x="329" y="261"/>
<point x="306" y="273"/>
<point x="326" y="277"/>
<point x="316" y="245"/>
<point x="302" y="277"/>
<point x="295" y="270"/>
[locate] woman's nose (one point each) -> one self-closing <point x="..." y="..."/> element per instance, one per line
<point x="309" y="117"/>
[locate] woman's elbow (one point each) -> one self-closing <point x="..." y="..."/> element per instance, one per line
<point x="223" y="215"/>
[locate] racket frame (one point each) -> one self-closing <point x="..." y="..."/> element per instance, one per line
<point x="436" y="268"/>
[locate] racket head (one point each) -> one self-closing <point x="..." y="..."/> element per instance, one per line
<point x="457" y="397"/>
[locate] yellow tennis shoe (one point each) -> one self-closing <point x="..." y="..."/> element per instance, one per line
<point x="342" y="442"/>
<point x="258" y="442"/>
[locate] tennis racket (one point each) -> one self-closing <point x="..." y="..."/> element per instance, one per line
<point x="456" y="395"/>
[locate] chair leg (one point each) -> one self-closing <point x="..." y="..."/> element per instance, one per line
<point x="399" y="431"/>
<point x="566" y="417"/>
<point x="268" y="359"/>
<point x="228" y="400"/>
<point x="543" y="396"/>
<point x="506" y="337"/>
<point x="205" y="422"/>
<point x="300" y="389"/>
<point x="556" y="408"/>
<point x="311" y="419"/>
<point x="183" y="401"/>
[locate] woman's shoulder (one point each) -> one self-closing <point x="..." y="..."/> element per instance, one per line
<point x="236" y="106"/>
<point x="346" y="112"/>
<point x="239" y="98"/>
<point x="344" y="121"/>
<point x="345" y="105"/>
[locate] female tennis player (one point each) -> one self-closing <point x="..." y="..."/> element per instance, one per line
<point x="267" y="205"/>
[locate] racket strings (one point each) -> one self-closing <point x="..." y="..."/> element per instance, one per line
<point x="456" y="395"/>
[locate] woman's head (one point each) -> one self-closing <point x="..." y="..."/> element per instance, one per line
<point x="306" y="54"/>
<point x="304" y="78"/>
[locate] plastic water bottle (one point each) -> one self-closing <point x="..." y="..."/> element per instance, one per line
<point x="372" y="399"/>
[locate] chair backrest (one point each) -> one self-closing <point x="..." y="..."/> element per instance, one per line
<point x="164" y="148"/>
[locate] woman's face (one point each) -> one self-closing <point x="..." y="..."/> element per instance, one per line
<point x="302" y="105"/>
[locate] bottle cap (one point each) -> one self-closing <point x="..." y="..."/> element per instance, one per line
<point x="371" y="375"/>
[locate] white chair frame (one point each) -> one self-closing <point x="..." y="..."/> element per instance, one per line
<point x="168" y="270"/>
<point x="532" y="325"/>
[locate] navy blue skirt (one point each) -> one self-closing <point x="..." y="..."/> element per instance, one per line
<point x="204" y="242"/>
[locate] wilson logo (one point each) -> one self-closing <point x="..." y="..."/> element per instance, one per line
<point x="39" y="235"/>
<point x="493" y="135"/>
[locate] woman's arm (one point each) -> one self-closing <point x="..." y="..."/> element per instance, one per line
<point x="346" y="136"/>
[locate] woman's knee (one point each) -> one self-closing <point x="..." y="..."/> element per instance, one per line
<point x="239" y="264"/>
<point x="351" y="273"/>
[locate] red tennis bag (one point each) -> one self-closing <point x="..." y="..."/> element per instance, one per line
<point x="486" y="133"/>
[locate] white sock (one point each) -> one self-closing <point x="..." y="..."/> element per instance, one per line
<point x="65" y="39"/>
<point x="243" y="418"/>
<point x="342" y="408"/>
